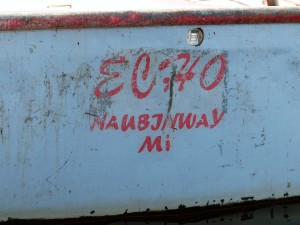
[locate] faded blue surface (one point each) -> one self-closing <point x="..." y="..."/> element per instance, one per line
<point x="53" y="165"/>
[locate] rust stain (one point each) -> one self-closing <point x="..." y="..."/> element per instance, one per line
<point x="141" y="19"/>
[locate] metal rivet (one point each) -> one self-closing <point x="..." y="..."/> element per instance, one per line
<point x="195" y="37"/>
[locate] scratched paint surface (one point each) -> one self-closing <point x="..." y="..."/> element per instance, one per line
<point x="107" y="120"/>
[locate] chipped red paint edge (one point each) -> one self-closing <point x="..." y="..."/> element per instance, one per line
<point x="28" y="21"/>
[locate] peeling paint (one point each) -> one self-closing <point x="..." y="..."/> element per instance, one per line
<point x="99" y="106"/>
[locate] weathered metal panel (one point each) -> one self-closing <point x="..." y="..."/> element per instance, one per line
<point x="79" y="20"/>
<point x="79" y="110"/>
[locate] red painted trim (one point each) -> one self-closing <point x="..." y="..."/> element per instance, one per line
<point x="140" y="19"/>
